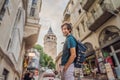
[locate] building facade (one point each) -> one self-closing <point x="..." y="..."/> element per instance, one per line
<point x="50" y="44"/>
<point x="96" y="24"/>
<point x="14" y="35"/>
<point x="32" y="25"/>
<point x="58" y="61"/>
<point x="58" y="64"/>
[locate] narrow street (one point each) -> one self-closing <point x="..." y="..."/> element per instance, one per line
<point x="45" y="39"/>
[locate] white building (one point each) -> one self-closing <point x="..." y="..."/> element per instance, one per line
<point x="13" y="38"/>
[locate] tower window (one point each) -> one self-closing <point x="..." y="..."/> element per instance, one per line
<point x="48" y="37"/>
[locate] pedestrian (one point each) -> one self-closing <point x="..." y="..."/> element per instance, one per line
<point x="95" y="70"/>
<point x="31" y="76"/>
<point x="26" y="76"/>
<point x="69" y="53"/>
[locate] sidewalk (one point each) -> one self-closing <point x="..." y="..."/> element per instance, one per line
<point x="99" y="77"/>
<point x="86" y="79"/>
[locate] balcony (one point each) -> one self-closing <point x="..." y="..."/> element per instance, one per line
<point x="66" y="16"/>
<point x="116" y="4"/>
<point x="31" y="34"/>
<point x="101" y="15"/>
<point x="86" y="4"/>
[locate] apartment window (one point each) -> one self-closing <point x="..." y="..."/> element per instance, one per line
<point x="15" y="78"/>
<point x="78" y="30"/>
<point x="72" y="3"/>
<point x="32" y="12"/>
<point x="9" y="44"/>
<point x="5" y="74"/>
<point x="19" y="14"/>
<point x="79" y="11"/>
<point x="34" y="2"/>
<point x="3" y="9"/>
<point x="101" y="2"/>
<point x="93" y="12"/>
<point x="80" y="3"/>
<point x="83" y="25"/>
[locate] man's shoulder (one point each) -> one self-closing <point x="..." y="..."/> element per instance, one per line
<point x="70" y="37"/>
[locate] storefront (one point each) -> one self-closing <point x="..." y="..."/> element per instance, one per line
<point x="110" y="45"/>
<point x="90" y="57"/>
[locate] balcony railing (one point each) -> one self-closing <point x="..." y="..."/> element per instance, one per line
<point x="101" y="15"/>
<point x="116" y="4"/>
<point x="86" y="4"/>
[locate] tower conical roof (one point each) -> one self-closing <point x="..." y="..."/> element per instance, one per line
<point x="50" y="31"/>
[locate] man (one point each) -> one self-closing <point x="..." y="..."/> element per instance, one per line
<point x="31" y="76"/>
<point x="26" y="76"/>
<point x="69" y="52"/>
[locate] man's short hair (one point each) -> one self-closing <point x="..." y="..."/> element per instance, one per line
<point x="69" y="26"/>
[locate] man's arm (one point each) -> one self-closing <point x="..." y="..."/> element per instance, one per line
<point x="71" y="58"/>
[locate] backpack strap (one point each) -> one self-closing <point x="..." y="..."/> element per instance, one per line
<point x="81" y="45"/>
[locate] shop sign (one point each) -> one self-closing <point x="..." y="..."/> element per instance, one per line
<point x="102" y="67"/>
<point x="109" y="71"/>
<point x="81" y="72"/>
<point x="100" y="59"/>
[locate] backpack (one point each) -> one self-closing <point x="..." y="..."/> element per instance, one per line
<point x="80" y="54"/>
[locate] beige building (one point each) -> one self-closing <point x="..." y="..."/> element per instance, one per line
<point x="96" y="24"/>
<point x="50" y="44"/>
<point x="16" y="36"/>
<point x="58" y="61"/>
<point x="32" y="25"/>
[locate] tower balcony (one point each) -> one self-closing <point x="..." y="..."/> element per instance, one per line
<point x="86" y="4"/>
<point x="31" y="34"/>
<point x="101" y="15"/>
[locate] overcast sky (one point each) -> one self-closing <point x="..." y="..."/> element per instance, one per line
<point x="51" y="15"/>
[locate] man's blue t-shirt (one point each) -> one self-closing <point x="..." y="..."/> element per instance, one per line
<point x="69" y="43"/>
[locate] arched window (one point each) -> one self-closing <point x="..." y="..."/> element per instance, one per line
<point x="90" y="49"/>
<point x="108" y="34"/>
